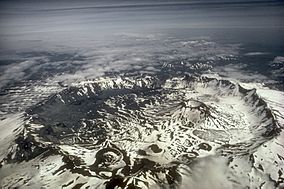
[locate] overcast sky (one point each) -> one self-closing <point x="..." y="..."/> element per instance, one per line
<point x="67" y="21"/>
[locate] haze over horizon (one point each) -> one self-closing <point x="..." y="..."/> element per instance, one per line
<point x="142" y="94"/>
<point x="65" y="22"/>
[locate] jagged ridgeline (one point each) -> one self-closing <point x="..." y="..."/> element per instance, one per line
<point x="145" y="130"/>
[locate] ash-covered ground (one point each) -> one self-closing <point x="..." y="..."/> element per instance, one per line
<point x="122" y="94"/>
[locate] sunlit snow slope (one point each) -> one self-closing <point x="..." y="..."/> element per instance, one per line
<point x="146" y="131"/>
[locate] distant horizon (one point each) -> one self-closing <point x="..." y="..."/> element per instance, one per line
<point x="142" y="94"/>
<point x="84" y="21"/>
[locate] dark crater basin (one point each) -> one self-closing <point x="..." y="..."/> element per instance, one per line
<point x="146" y="126"/>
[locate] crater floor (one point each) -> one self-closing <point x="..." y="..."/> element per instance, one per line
<point x="144" y="132"/>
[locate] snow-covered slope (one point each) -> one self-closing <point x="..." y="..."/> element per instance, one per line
<point x="148" y="131"/>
